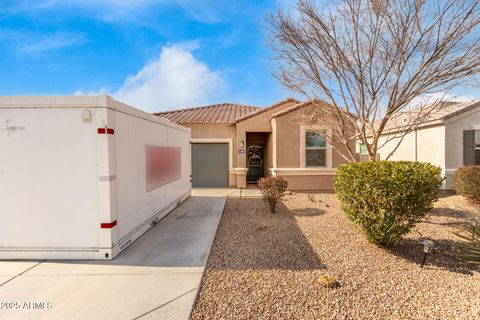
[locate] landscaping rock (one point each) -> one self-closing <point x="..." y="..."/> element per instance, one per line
<point x="274" y="274"/>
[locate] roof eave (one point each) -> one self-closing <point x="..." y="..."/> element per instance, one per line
<point x="431" y="123"/>
<point x="265" y="109"/>
<point x="472" y="105"/>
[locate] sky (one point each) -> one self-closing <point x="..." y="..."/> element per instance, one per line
<point x="154" y="54"/>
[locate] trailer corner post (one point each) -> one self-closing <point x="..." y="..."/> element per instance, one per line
<point x="106" y="182"/>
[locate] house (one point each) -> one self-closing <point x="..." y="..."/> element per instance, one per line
<point x="448" y="137"/>
<point x="234" y="144"/>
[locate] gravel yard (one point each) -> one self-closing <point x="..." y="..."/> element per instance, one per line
<point x="265" y="266"/>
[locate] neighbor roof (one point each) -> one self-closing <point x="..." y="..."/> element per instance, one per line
<point x="211" y="114"/>
<point x="442" y="111"/>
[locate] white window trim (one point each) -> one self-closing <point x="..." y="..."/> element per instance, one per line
<point x="303" y="130"/>
<point x="219" y="140"/>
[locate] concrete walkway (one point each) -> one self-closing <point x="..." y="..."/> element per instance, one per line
<point x="250" y="192"/>
<point x="157" y="277"/>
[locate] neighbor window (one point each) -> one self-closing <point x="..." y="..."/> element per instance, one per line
<point x="477" y="147"/>
<point x="315" y="150"/>
<point x="363" y="149"/>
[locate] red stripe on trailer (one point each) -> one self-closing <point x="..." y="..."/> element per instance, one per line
<point x="108" y="225"/>
<point x="105" y="131"/>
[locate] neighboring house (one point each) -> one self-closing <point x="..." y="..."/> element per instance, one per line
<point x="449" y="138"/>
<point x="233" y="145"/>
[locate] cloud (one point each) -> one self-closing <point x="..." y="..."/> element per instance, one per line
<point x="54" y="42"/>
<point x="102" y="91"/>
<point x="207" y="11"/>
<point x="174" y="79"/>
<point x="32" y="43"/>
<point x="33" y="5"/>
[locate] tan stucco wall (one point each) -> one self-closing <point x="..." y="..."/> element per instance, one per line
<point x="212" y="130"/>
<point x="288" y="143"/>
<point x="289" y="148"/>
<point x="289" y="153"/>
<point x="310" y="183"/>
<point x="269" y="151"/>
<point x="217" y="131"/>
<point x="258" y="123"/>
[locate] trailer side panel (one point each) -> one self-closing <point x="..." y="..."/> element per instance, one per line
<point x="48" y="179"/>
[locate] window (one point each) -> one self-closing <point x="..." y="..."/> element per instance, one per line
<point x="477" y="147"/>
<point x="363" y="149"/>
<point x="315" y="150"/>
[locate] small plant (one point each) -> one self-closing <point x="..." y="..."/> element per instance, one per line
<point x="272" y="189"/>
<point x="466" y="182"/>
<point x="387" y="198"/>
<point x="327" y="281"/>
<point x="469" y="249"/>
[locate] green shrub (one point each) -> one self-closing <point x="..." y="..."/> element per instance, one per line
<point x="466" y="182"/>
<point x="386" y="198"/>
<point x="272" y="189"/>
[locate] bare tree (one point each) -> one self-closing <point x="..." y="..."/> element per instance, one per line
<point x="371" y="60"/>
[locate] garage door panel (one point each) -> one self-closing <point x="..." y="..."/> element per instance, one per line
<point x="210" y="165"/>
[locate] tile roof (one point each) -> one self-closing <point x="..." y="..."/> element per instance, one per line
<point x="211" y="114"/>
<point x="297" y="106"/>
<point x="316" y="103"/>
<point x="261" y="110"/>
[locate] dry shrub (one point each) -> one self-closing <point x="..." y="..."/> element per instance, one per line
<point x="466" y="182"/>
<point x="272" y="189"/>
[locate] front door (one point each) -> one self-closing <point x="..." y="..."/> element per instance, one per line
<point x="254" y="162"/>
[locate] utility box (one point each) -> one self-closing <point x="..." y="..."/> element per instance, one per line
<point x="82" y="177"/>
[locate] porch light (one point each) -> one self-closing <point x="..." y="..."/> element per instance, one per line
<point x="242" y="143"/>
<point x="428" y="245"/>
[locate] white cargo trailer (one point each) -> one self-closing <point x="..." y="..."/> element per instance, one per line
<point x="82" y="177"/>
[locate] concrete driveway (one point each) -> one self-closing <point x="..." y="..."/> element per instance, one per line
<point x="157" y="277"/>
